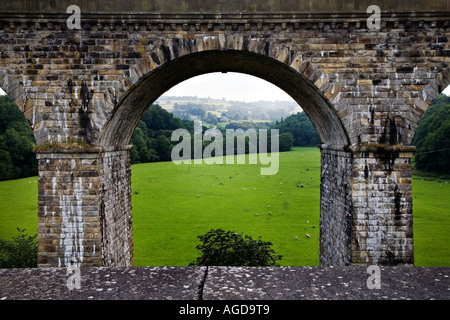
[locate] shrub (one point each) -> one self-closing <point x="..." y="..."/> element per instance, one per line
<point x="20" y="252"/>
<point x="220" y="248"/>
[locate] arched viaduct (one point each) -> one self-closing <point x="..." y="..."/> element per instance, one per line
<point x="84" y="90"/>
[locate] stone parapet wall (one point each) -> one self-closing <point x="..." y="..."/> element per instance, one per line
<point x="221" y="5"/>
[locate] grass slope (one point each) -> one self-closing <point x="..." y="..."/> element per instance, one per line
<point x="173" y="204"/>
<point x="168" y="215"/>
<point x="431" y="222"/>
<point x="18" y="206"/>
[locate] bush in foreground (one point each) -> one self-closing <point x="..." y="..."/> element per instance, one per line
<point x="19" y="252"/>
<point x="220" y="248"/>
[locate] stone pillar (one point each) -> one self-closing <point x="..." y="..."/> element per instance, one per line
<point x="115" y="208"/>
<point x="366" y="205"/>
<point x="336" y="209"/>
<point x="84" y="215"/>
<point x="382" y="229"/>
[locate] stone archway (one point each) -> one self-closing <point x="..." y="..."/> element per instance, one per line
<point x="336" y="214"/>
<point x="127" y="113"/>
<point x="365" y="91"/>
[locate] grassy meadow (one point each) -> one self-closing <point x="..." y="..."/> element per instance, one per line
<point x="173" y="204"/>
<point x="18" y="206"/>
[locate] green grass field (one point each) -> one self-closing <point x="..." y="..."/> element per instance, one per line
<point x="431" y="220"/>
<point x="173" y="204"/>
<point x="18" y="206"/>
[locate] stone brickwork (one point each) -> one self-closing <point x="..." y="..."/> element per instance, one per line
<point x="69" y="225"/>
<point x="382" y="231"/>
<point x="84" y="207"/>
<point x="84" y="91"/>
<point x="336" y="207"/>
<point x="115" y="209"/>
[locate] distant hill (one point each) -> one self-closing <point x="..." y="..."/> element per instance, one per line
<point x="194" y="108"/>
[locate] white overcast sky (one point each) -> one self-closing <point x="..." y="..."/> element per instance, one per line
<point x="231" y="86"/>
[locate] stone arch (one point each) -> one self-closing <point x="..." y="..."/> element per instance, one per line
<point x="299" y="84"/>
<point x="305" y="83"/>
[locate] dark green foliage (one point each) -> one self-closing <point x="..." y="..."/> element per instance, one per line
<point x="220" y="248"/>
<point x="303" y="132"/>
<point x="17" y="159"/>
<point x="156" y="118"/>
<point x="163" y="147"/>
<point x="286" y="140"/>
<point x="151" y="138"/>
<point x="436" y="115"/>
<point x="19" y="252"/>
<point x="434" y="155"/>
<point x="432" y="137"/>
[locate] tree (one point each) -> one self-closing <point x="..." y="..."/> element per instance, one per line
<point x="220" y="248"/>
<point x="6" y="167"/>
<point x="156" y="118"/>
<point x="144" y="155"/>
<point x="211" y="118"/>
<point x="286" y="140"/>
<point x="432" y="137"/>
<point x="432" y="120"/>
<point x="163" y="148"/>
<point x="134" y="156"/>
<point x="151" y="138"/>
<point x="434" y="155"/>
<point x="17" y="159"/>
<point x="9" y="114"/>
<point x="302" y="130"/>
<point x="138" y="139"/>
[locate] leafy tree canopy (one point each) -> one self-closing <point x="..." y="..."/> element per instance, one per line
<point x="303" y="132"/>
<point x="432" y="137"/>
<point x="19" y="252"/>
<point x="17" y="159"/>
<point x="227" y="248"/>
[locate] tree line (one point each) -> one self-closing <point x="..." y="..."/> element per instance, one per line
<point x="152" y="142"/>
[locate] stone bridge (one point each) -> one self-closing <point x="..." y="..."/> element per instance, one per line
<point x="83" y="91"/>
